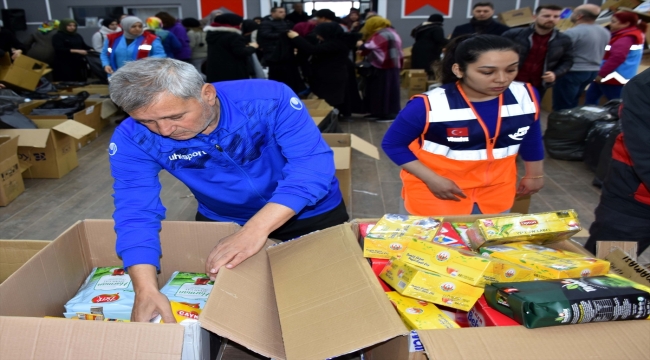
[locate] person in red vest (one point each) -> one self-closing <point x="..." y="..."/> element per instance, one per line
<point x="133" y="43"/>
<point x="457" y="144"/>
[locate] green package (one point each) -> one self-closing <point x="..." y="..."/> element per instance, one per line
<point x="536" y="304"/>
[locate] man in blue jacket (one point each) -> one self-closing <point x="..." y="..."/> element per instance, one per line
<point x="248" y="150"/>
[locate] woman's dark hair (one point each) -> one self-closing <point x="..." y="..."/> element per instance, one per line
<point x="465" y="50"/>
<point x="167" y="19"/>
<point x="108" y="22"/>
<point x="191" y="22"/>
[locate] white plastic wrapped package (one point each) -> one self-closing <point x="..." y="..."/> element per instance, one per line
<point x="106" y="289"/>
<point x="189" y="288"/>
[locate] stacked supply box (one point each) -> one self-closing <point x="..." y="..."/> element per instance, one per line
<point x="11" y="181"/>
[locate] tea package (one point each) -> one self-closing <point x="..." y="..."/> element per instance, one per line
<point x="420" y="315"/>
<point x="392" y="232"/>
<point x="192" y="289"/>
<point x="570" y="301"/>
<point x="538" y="228"/>
<point x="107" y="291"/>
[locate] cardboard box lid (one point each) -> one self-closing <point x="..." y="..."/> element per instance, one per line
<point x="328" y="298"/>
<point x="243" y="308"/>
<point x="31" y="64"/>
<point x="365" y="147"/>
<point x="73" y="128"/>
<point x="29" y="137"/>
<point x="14" y="253"/>
<point x="342" y="157"/>
<point x="8" y="147"/>
<point x="612" y="340"/>
<point x="34" y="338"/>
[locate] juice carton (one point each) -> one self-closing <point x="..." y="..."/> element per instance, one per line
<point x="420" y="315"/>
<point x="463" y="265"/>
<point x="393" y="231"/>
<point x="448" y="236"/>
<point x="547" y="263"/>
<point x="536" y="228"/>
<point x="505" y="271"/>
<point x="461" y="228"/>
<point x="413" y="281"/>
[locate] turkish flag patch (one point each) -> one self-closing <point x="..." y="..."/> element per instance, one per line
<point x="457" y="132"/>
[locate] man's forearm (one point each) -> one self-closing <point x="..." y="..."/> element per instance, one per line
<point x="143" y="277"/>
<point x="534" y="169"/>
<point x="269" y="218"/>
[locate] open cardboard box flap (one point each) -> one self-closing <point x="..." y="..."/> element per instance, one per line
<point x="29" y="137"/>
<point x="613" y="340"/>
<point x="66" y="339"/>
<point x="328" y="298"/>
<point x="365" y="147"/>
<point x="73" y="128"/>
<point x="8" y="147"/>
<point x="14" y="253"/>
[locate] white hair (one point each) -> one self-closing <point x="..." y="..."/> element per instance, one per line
<point x="139" y="83"/>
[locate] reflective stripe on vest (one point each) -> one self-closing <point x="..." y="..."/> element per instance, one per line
<point x="469" y="155"/>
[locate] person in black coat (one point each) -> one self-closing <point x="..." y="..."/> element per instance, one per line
<point x="429" y="42"/>
<point x="227" y="49"/>
<point x="278" y="51"/>
<point x="298" y="15"/>
<point x="332" y="70"/>
<point x="481" y="22"/>
<point x="70" y="53"/>
<point x="10" y="44"/>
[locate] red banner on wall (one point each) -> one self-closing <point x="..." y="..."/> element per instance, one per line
<point x="235" y="6"/>
<point x="411" y="6"/>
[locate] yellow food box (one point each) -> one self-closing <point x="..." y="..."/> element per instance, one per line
<point x="420" y="315"/>
<point x="548" y="263"/>
<point x="505" y="271"/>
<point x="183" y="311"/>
<point x="463" y="265"/>
<point x="416" y="282"/>
<point x="392" y="232"/>
<point x="538" y="228"/>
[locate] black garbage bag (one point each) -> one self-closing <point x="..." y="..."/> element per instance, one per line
<point x="606" y="155"/>
<point x="95" y="65"/>
<point x="566" y="135"/>
<point x="7" y="94"/>
<point x="11" y="118"/>
<point x="595" y="143"/>
<point x="45" y="86"/>
<point x="67" y="106"/>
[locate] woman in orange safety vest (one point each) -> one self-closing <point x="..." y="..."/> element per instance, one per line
<point x="457" y="144"/>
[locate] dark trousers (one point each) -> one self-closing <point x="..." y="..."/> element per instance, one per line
<point x="298" y="227"/>
<point x="568" y="88"/>
<point x="597" y="90"/>
<point x="288" y="74"/>
<point x="612" y="225"/>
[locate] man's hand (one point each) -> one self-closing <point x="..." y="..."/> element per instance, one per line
<point x="529" y="186"/>
<point x="108" y="69"/>
<point x="233" y="249"/>
<point x="292" y="34"/>
<point x="253" y="45"/>
<point x="359" y="43"/>
<point x="16" y="53"/>
<point x="549" y="77"/>
<point x="445" y="189"/>
<point x="149" y="302"/>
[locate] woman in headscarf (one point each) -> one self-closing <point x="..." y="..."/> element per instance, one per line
<point x="131" y="44"/>
<point x="383" y="50"/>
<point x="429" y="42"/>
<point x="332" y="69"/>
<point x="109" y="26"/>
<point x="175" y="27"/>
<point x="228" y="52"/>
<point x="70" y="51"/>
<point x="39" y="44"/>
<point x="198" y="45"/>
<point x="622" y="57"/>
<point x="169" y="41"/>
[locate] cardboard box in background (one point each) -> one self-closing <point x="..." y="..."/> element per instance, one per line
<point x="414" y="80"/>
<point x="408" y="58"/>
<point x="342" y="145"/>
<point x="613" y="4"/>
<point x="91" y="89"/>
<point x="50" y="148"/>
<point x="89" y="116"/>
<point x="516" y="17"/>
<point x="276" y="304"/>
<point x="521" y="205"/>
<point x="14" y="253"/>
<point x="11" y="180"/>
<point x="318" y="109"/>
<point x="24" y="72"/>
<point x="564" y="25"/>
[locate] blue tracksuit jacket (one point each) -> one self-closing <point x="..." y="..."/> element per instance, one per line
<point x="266" y="148"/>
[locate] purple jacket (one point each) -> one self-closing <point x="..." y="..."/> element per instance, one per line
<point x="185" y="53"/>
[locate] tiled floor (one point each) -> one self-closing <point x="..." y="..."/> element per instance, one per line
<point x="48" y="206"/>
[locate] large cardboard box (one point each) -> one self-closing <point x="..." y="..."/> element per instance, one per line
<point x="50" y="148"/>
<point x="311" y="298"/>
<point x="415" y="81"/>
<point x="614" y="4"/>
<point x="14" y="253"/>
<point x="318" y="109"/>
<point x="11" y="180"/>
<point x="23" y="73"/>
<point x="408" y="58"/>
<point x="342" y="145"/>
<point x="97" y="89"/>
<point x="89" y="116"/>
<point x="516" y="17"/>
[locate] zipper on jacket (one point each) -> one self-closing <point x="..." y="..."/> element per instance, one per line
<point x="248" y="179"/>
